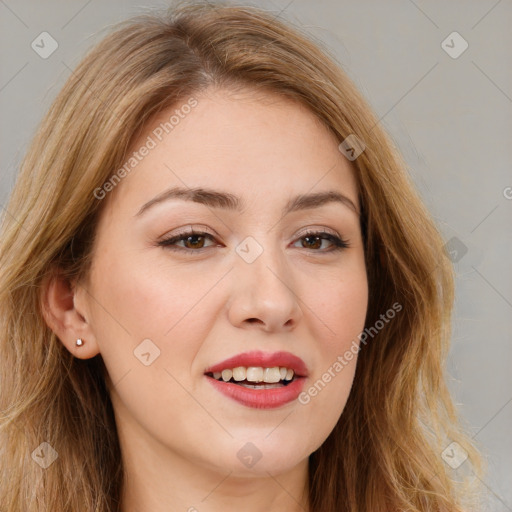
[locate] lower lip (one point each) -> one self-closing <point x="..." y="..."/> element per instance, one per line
<point x="260" y="398"/>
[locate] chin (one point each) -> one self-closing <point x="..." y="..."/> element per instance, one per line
<point x="258" y="452"/>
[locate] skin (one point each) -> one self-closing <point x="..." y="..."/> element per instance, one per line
<point x="179" y="436"/>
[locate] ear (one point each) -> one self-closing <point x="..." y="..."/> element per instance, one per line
<point x="59" y="299"/>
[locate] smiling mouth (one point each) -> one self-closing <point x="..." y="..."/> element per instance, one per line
<point x="256" y="377"/>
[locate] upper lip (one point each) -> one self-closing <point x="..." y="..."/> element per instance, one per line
<point x="264" y="360"/>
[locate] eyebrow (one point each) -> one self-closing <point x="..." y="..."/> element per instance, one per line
<point x="227" y="201"/>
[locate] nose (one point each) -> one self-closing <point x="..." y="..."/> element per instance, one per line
<point x="264" y="295"/>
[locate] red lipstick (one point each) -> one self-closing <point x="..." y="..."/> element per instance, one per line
<point x="261" y="398"/>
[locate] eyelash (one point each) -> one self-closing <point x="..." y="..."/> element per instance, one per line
<point x="338" y="243"/>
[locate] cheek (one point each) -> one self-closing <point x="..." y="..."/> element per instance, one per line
<point x="340" y="306"/>
<point x="341" y="312"/>
<point x="137" y="301"/>
<point x="151" y="297"/>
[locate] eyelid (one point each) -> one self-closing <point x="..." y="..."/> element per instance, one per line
<point x="195" y="229"/>
<point x="201" y="229"/>
<point x="317" y="229"/>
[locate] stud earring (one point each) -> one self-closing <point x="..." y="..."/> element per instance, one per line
<point x="79" y="342"/>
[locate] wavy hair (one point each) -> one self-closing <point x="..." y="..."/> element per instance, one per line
<point x="384" y="453"/>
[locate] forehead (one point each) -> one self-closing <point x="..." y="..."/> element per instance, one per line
<point x="259" y="146"/>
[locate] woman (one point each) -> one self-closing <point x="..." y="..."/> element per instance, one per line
<point x="219" y="289"/>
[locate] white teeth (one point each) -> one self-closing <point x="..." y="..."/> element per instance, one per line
<point x="271" y="375"/>
<point x="226" y="375"/>
<point x="254" y="374"/>
<point x="239" y="373"/>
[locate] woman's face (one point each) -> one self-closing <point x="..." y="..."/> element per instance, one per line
<point x="253" y="285"/>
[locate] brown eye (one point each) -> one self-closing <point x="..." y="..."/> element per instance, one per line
<point x="314" y="241"/>
<point x="193" y="241"/>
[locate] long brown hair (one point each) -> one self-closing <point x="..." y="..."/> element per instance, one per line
<point x="384" y="454"/>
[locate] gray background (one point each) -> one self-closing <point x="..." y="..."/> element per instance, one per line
<point x="450" y="117"/>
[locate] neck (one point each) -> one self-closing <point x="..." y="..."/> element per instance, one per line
<point x="183" y="486"/>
